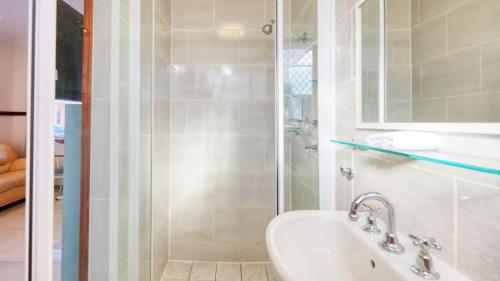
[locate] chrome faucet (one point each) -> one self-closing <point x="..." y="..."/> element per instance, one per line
<point x="390" y="242"/>
<point x="425" y="265"/>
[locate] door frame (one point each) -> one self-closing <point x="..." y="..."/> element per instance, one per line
<point x="83" y="273"/>
<point x="40" y="147"/>
<point x="40" y="144"/>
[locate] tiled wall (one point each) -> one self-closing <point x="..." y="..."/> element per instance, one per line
<point x="399" y="62"/>
<point x="222" y="170"/>
<point x="300" y="64"/>
<point x="460" y="208"/>
<point x="456" y="60"/>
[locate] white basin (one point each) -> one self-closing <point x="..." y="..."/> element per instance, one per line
<point x="326" y="246"/>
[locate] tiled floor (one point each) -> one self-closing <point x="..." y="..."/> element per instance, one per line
<point x="12" y="241"/>
<point x="211" y="271"/>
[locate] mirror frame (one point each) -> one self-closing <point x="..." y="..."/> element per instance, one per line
<point x="469" y="128"/>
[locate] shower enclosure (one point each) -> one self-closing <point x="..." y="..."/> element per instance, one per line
<point x="300" y="105"/>
<point x="184" y="133"/>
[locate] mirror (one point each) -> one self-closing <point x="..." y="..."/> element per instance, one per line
<point x="428" y="61"/>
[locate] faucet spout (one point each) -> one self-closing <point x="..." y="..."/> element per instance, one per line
<point x="390" y="242"/>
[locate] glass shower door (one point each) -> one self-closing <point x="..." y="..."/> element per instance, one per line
<point x="121" y="151"/>
<point x="300" y="113"/>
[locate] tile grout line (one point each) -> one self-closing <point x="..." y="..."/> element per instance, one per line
<point x="268" y="274"/>
<point x="190" y="271"/>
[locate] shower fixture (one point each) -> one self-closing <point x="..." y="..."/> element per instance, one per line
<point x="268" y="28"/>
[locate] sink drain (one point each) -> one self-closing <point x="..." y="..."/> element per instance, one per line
<point x="372" y="263"/>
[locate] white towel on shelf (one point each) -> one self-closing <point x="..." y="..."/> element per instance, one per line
<point x="406" y="140"/>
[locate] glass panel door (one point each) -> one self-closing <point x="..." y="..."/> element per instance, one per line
<point x="299" y="57"/>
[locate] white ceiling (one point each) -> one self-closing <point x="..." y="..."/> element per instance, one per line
<point x="14" y="18"/>
<point x="76" y="4"/>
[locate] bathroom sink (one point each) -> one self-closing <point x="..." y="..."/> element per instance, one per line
<point x="326" y="246"/>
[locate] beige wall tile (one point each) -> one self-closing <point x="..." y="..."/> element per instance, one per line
<point x="253" y="252"/>
<point x="343" y="7"/>
<point x="303" y="198"/>
<point x="402" y="47"/>
<point x="423" y="200"/>
<point x="345" y="108"/>
<point x="416" y="81"/>
<point x="473" y="23"/>
<point x="178" y="117"/>
<point x="415" y="4"/>
<point x="239" y="14"/>
<point x="191" y="224"/>
<point x="270" y="10"/>
<point x="399" y="82"/>
<point x="257" y="189"/>
<point x="242" y="225"/>
<point x="397" y="14"/>
<point x="222" y="82"/>
<point x="214" y="47"/>
<point x="344" y="55"/>
<point x="490" y="67"/>
<point x="210" y="251"/>
<point x="429" y="110"/>
<point x="204" y="189"/>
<point x="255" y="118"/>
<point x="478" y="217"/>
<point x="451" y="75"/>
<point x="180" y="47"/>
<point x="343" y="186"/>
<point x="192" y="14"/>
<point x="431" y="8"/>
<point x="256" y="48"/>
<point x="213" y="118"/>
<point x="474" y="108"/>
<point x="399" y="111"/>
<point x="429" y="40"/>
<point x="305" y="18"/>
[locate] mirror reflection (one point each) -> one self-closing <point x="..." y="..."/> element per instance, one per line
<point x="428" y="61"/>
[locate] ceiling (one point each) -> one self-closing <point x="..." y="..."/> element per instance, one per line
<point x="14" y="18"/>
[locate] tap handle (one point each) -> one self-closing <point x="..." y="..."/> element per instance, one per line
<point x="370" y="210"/>
<point x="425" y="243"/>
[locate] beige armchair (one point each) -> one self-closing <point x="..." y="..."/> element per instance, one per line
<point x="12" y="175"/>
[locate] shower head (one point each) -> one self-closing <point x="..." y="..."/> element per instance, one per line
<point x="268" y="28"/>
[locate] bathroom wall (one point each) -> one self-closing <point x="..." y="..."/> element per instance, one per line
<point x="399" y="61"/>
<point x="222" y="158"/>
<point x="447" y="34"/>
<point x="13" y="75"/>
<point x="300" y="78"/>
<point x="460" y="208"/>
<point x="161" y="137"/>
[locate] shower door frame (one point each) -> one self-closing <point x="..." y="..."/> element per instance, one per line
<point x="325" y="106"/>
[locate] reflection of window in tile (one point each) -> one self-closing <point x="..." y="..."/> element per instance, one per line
<point x="300" y="75"/>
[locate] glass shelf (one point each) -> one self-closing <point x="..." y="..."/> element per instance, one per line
<point x="490" y="166"/>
